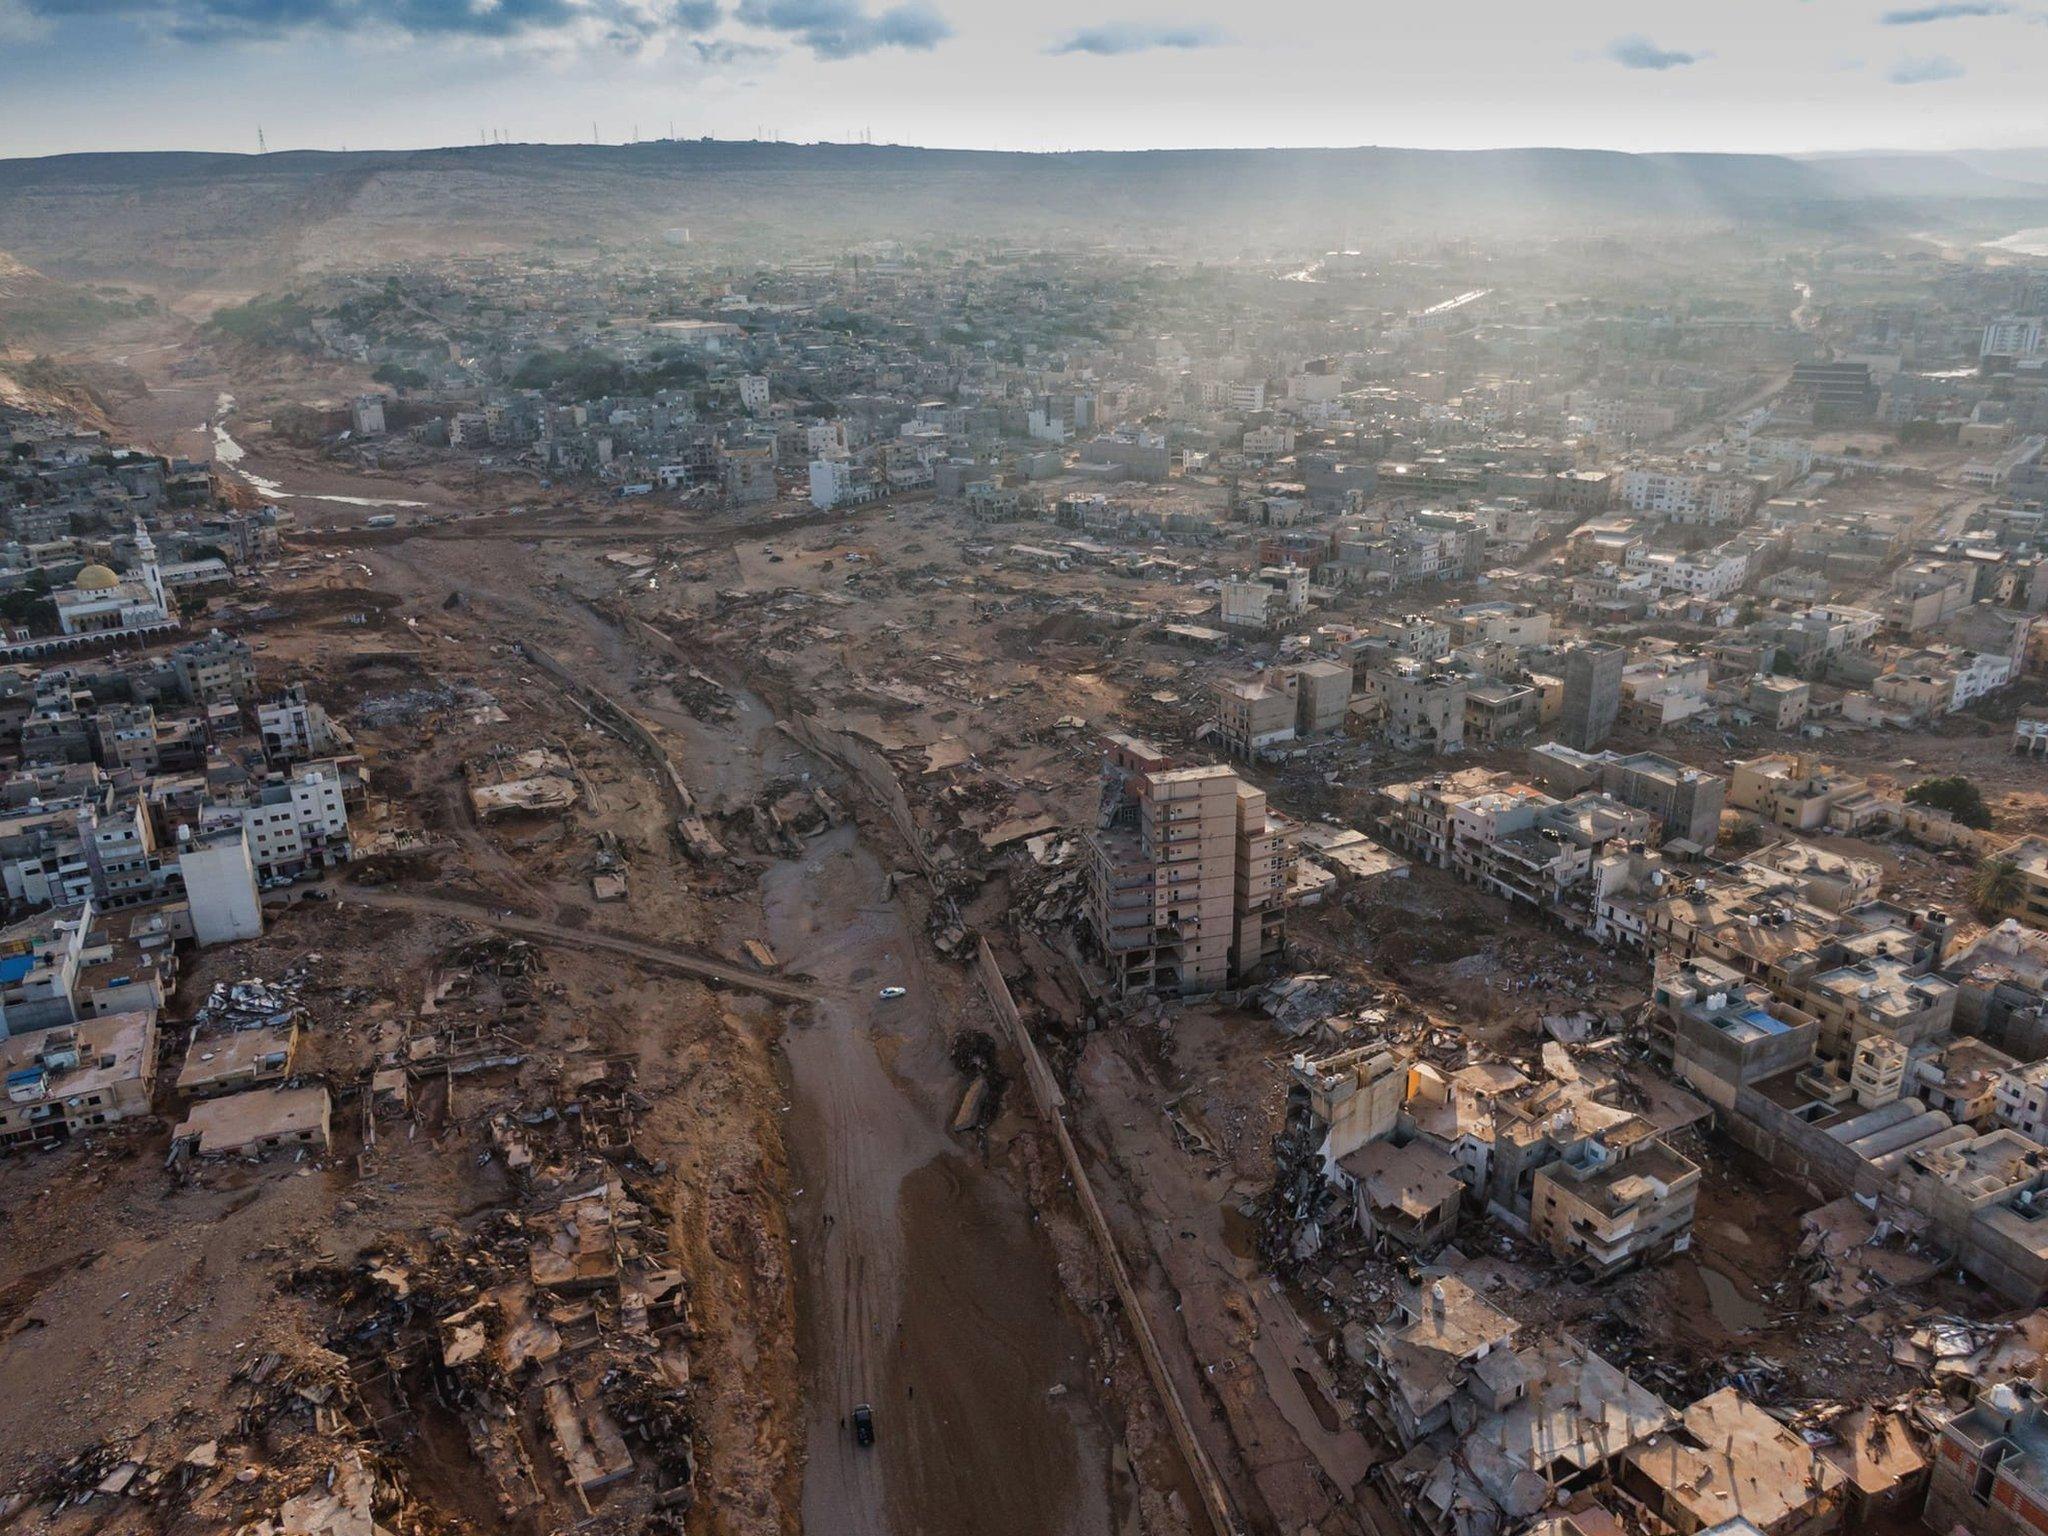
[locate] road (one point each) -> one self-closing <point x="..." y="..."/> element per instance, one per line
<point x="921" y="1286"/>
<point x="690" y="962"/>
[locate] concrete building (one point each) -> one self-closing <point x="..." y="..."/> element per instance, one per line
<point x="1800" y="794"/>
<point x="293" y="728"/>
<point x="1188" y="874"/>
<point x="1497" y="713"/>
<point x="1722" y="1033"/>
<point x="1606" y="1213"/>
<point x="1687" y="801"/>
<point x="2014" y="336"/>
<point x="219" y="875"/>
<point x="1990" y="1473"/>
<point x="1324" y="695"/>
<point x="73" y="1077"/>
<point x="1424" y="705"/>
<point x="229" y="1060"/>
<point x="2029" y="856"/>
<point x="260" y="1121"/>
<point x="1727" y="1461"/>
<point x="1253" y="715"/>
<point x="1592" y="693"/>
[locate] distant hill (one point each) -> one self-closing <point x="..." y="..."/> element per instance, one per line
<point x="184" y="218"/>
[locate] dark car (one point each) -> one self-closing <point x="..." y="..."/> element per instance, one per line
<point x="863" y="1425"/>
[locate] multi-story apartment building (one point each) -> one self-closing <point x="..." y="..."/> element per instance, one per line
<point x="1687" y="801"/>
<point x="1423" y="706"/>
<point x="1607" y="1209"/>
<point x="1990" y="1473"/>
<point x="1188" y="874"/>
<point x="1257" y="713"/>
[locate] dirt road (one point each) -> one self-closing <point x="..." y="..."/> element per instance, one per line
<point x="688" y="962"/>
<point x="921" y="1286"/>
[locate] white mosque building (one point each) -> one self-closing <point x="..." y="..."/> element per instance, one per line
<point x="101" y="602"/>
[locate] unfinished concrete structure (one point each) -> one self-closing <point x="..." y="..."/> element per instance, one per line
<point x="1592" y="693"/>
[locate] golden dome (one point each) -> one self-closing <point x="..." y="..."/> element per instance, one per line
<point x="96" y="578"/>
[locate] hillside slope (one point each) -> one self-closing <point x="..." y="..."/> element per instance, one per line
<point x="176" y="217"/>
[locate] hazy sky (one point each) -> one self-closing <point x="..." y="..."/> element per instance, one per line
<point x="1055" y="74"/>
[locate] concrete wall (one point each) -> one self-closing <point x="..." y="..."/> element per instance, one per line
<point x="1804" y="1151"/>
<point x="875" y="773"/>
<point x="1046" y="1094"/>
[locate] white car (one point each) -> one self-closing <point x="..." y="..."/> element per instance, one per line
<point x="890" y="994"/>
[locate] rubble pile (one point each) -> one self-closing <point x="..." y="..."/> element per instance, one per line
<point x="559" y="1320"/>
<point x="411" y="706"/>
<point x="252" y="1002"/>
<point x="1301" y="1208"/>
<point x="974" y="1057"/>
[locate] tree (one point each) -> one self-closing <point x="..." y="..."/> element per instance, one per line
<point x="27" y="607"/>
<point x="1996" y="887"/>
<point x="1954" y="794"/>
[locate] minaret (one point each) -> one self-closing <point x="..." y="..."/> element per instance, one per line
<point x="152" y="574"/>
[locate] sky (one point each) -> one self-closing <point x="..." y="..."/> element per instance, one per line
<point x="1747" y="75"/>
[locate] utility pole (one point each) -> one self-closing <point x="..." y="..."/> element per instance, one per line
<point x="261" y="147"/>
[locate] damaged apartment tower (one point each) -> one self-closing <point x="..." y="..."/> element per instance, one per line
<point x="1188" y="874"/>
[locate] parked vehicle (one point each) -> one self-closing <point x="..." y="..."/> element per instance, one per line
<point x="863" y="1425"/>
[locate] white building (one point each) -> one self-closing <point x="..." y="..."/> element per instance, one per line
<point x="366" y="415"/>
<point x="754" y="391"/>
<point x="1619" y="419"/>
<point x="1245" y="604"/>
<point x="220" y="885"/>
<point x="295" y="826"/>
<point x="1984" y="673"/>
<point x="1665" y="491"/>
<point x="2014" y="336"/>
<point x="293" y="728"/>
<point x="830" y="481"/>
<point x="101" y="602"/>
<point x="1703" y="573"/>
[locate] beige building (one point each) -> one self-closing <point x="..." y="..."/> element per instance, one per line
<point x="67" y="1080"/>
<point x="1324" y="696"/>
<point x="1608" y="1213"/>
<point x="2030" y="857"/>
<point x="1252" y="715"/>
<point x="263" y="1120"/>
<point x="1799" y="794"/>
<point x="1729" y="1462"/>
<point x="1188" y="874"/>
<point x="1424" y="705"/>
<point x="230" y="1061"/>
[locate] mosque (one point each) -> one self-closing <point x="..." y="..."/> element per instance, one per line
<point x="101" y="602"/>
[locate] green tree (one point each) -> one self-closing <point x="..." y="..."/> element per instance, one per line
<point x="30" y="606"/>
<point x="1954" y="794"/>
<point x="1996" y="887"/>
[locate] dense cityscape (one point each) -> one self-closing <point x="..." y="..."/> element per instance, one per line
<point x="682" y="881"/>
